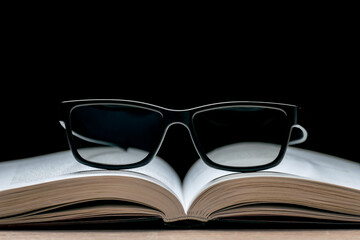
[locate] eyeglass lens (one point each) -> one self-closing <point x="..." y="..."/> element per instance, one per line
<point x="115" y="134"/>
<point x="241" y="136"/>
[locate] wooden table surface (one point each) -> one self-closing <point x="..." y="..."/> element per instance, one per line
<point x="181" y="234"/>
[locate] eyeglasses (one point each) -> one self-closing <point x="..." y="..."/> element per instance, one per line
<point x="234" y="136"/>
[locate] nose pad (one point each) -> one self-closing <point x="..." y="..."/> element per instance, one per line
<point x="177" y="149"/>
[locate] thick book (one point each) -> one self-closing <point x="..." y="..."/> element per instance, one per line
<point x="55" y="188"/>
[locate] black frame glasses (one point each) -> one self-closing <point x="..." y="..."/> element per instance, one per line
<point x="194" y="119"/>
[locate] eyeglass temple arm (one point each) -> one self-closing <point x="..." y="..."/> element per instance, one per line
<point x="304" y="135"/>
<point x="91" y="139"/>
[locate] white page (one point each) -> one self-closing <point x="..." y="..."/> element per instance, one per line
<point x="197" y="178"/>
<point x="297" y="163"/>
<point x="320" y="167"/>
<point x="61" y="165"/>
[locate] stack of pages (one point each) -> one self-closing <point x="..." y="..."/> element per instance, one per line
<point x="55" y="188"/>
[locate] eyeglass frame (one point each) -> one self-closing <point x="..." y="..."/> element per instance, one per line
<point x="183" y="117"/>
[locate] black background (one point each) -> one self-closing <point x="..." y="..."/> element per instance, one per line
<point x="178" y="64"/>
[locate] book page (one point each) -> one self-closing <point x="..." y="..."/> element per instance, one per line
<point x="197" y="178"/>
<point x="319" y="167"/>
<point x="62" y="165"/>
<point x="296" y="163"/>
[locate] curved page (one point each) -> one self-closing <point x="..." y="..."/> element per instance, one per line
<point x="297" y="163"/>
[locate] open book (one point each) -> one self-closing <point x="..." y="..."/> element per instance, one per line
<point x="56" y="188"/>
